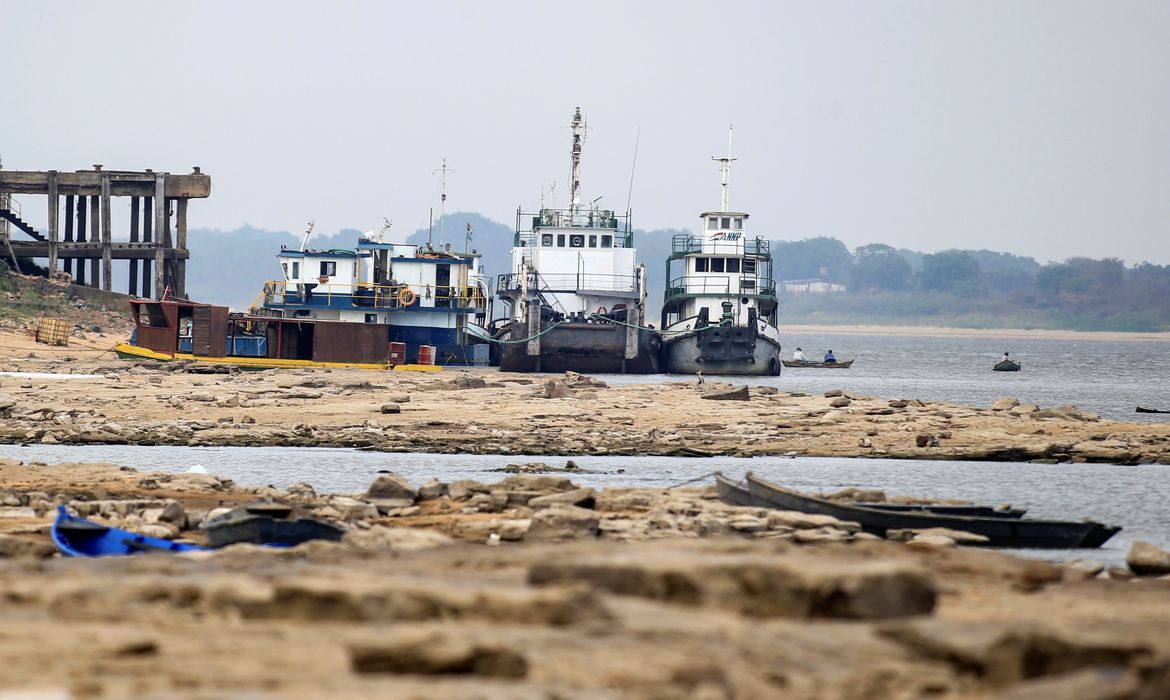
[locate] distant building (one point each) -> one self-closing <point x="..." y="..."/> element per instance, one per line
<point x="811" y="286"/>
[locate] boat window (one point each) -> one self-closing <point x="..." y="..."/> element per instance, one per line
<point x="284" y="266"/>
<point x="592" y="240"/>
<point x="749" y="267"/>
<point x="560" y="240"/>
<point x="371" y="318"/>
<point x="733" y="264"/>
<point x="700" y="264"/>
<point x="606" y="241"/>
<point x="328" y="268"/>
<point x="726" y="222"/>
<point x="576" y="241"/>
<point x="712" y="223"/>
<point x="716" y="264"/>
<point x="738" y="223"/>
<point x="296" y="271"/>
<point x="546" y="239"/>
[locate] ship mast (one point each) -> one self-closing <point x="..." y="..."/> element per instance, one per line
<point x="578" y="127"/>
<point x="725" y="166"/>
<point x="443" y="195"/>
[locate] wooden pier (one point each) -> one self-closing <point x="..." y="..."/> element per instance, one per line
<point x="83" y="232"/>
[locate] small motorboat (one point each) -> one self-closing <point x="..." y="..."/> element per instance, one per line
<point x="78" y="537"/>
<point x="1006" y="366"/>
<point x="844" y="364"/>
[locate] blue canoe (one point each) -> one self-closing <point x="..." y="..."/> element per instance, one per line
<point x="78" y="537"/>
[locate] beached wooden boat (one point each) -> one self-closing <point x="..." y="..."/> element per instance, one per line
<point x="846" y="364"/>
<point x="1006" y="366"/>
<point x="737" y="494"/>
<point x="1000" y="532"/>
<point x="78" y="537"/>
<point x="268" y="524"/>
<point x="1139" y="409"/>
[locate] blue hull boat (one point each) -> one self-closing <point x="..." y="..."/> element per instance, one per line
<point x="78" y="537"/>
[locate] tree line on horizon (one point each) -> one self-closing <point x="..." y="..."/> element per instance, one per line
<point x="1079" y="292"/>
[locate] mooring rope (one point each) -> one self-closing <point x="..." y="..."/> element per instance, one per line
<point x="691" y="481"/>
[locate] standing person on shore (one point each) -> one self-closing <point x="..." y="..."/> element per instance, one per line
<point x="799" y="356"/>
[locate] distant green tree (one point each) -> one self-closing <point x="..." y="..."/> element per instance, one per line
<point x="878" y="267"/>
<point x="1081" y="284"/>
<point x="812" y="258"/>
<point x="951" y="271"/>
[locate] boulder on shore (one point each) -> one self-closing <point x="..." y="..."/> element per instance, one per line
<point x="1145" y="559"/>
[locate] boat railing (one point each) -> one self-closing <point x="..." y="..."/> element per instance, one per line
<point x="600" y="220"/>
<point x="372" y="296"/>
<point x="733" y="244"/>
<point x="725" y="285"/>
<point x="581" y="282"/>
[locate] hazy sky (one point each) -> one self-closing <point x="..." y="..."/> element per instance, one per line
<point x="1038" y="127"/>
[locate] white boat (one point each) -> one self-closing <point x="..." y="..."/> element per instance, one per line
<point x="575" y="296"/>
<point x="720" y="310"/>
<point x="432" y="301"/>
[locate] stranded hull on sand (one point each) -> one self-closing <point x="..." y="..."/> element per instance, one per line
<point x="1000" y="532"/>
<point x="723" y="350"/>
<point x="77" y="537"/>
<point x="737" y="494"/>
<point x="581" y="347"/>
<point x="179" y="329"/>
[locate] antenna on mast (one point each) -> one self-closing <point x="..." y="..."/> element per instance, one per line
<point x="725" y="166"/>
<point x="443" y="195"/>
<point x="578" y="127"/>
<point x="308" y="232"/>
<point x="633" y="164"/>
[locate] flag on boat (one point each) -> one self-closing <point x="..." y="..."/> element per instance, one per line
<point x="469" y="229"/>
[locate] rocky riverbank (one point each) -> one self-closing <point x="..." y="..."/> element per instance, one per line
<point x="532" y="587"/>
<point x="487" y="412"/>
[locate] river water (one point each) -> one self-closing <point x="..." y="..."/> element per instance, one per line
<point x="1134" y="497"/>
<point x="1108" y="378"/>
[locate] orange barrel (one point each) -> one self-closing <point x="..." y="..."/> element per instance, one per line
<point x="426" y="354"/>
<point x="397" y="353"/>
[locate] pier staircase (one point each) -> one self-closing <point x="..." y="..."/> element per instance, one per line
<point x="10" y="211"/>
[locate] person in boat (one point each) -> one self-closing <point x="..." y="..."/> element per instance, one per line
<point x="1004" y="358"/>
<point x="830" y="358"/>
<point x="799" y="356"/>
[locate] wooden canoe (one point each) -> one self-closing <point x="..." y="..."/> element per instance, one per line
<point x="846" y="364"/>
<point x="737" y="494"/>
<point x="1006" y="366"/>
<point x="1000" y="532"/>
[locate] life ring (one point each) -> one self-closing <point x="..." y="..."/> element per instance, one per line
<point x="406" y="297"/>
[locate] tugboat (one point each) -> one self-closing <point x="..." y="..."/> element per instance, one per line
<point x="431" y="302"/>
<point x="720" y="315"/>
<point x="575" y="297"/>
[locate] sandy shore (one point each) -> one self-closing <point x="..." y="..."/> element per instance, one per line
<point x="622" y="593"/>
<point x="488" y="412"/>
<point x="797" y="330"/>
